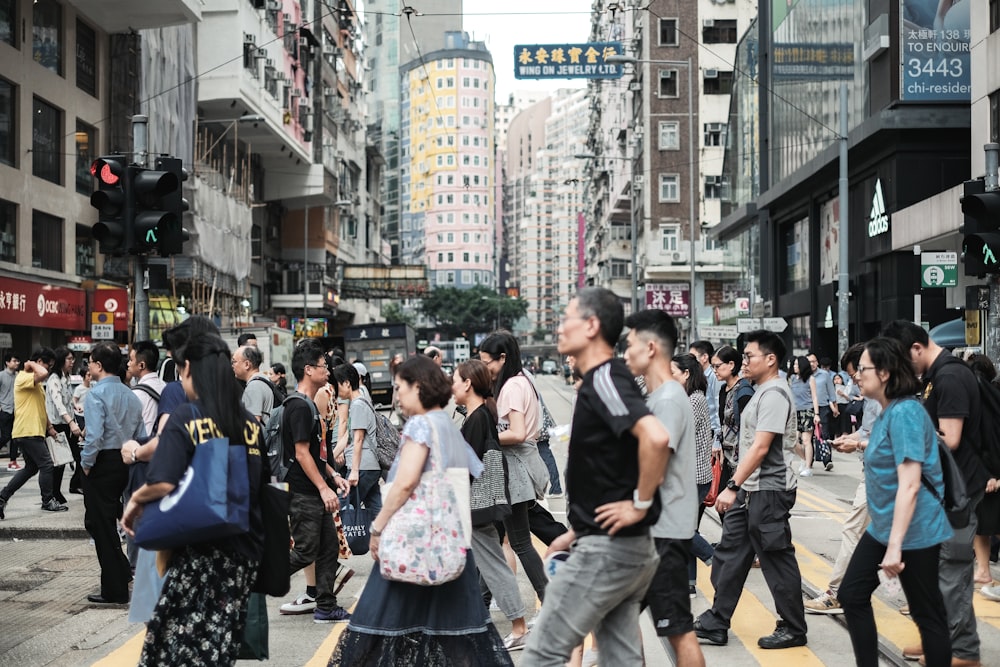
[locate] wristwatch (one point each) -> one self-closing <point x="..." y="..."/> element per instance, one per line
<point x="732" y="485"/>
<point x="640" y="504"/>
<point x="374" y="532"/>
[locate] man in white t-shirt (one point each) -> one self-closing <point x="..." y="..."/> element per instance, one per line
<point x="651" y="341"/>
<point x="142" y="361"/>
<point x="767" y="441"/>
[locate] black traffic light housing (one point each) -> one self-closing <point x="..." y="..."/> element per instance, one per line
<point x="148" y="194"/>
<point x="110" y="199"/>
<point x="981" y="229"/>
<point x="171" y="234"/>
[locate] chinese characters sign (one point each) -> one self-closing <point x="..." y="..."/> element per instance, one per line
<point x="38" y="305"/>
<point x="674" y="299"/>
<point x="567" y="61"/>
<point x="935" y="51"/>
<point x="813" y="62"/>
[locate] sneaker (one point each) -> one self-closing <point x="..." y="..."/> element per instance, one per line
<point x="905" y="610"/>
<point x="805" y="472"/>
<point x="13" y="466"/>
<point x="692" y="591"/>
<point x="300" y="605"/>
<point x="335" y="615"/>
<point x="829" y="466"/>
<point x="53" y="506"/>
<point x="512" y="643"/>
<point x="556" y="495"/>
<point x="913" y="653"/>
<point x="782" y="637"/>
<point x="988" y="592"/>
<point x="824" y="604"/>
<point x="3" y="506"/>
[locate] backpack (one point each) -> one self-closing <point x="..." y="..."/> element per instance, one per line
<point x="386" y="440"/>
<point x="153" y="394"/>
<point x="277" y="457"/>
<point x="956" y="498"/>
<point x="989" y="429"/>
<point x="277" y="398"/>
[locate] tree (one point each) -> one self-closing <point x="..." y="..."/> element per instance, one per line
<point x="465" y="312"/>
<point x="393" y="313"/>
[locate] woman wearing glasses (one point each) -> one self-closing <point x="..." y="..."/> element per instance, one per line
<point x="908" y="523"/>
<point x="734" y="395"/>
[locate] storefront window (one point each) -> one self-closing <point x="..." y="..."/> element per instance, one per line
<point x="801" y="331"/>
<point x="85" y="264"/>
<point x="7" y="136"/>
<point x="46" y="33"/>
<point x="86" y="58"/>
<point x="46" y="241"/>
<point x="86" y="141"/>
<point x="796" y="236"/>
<point x="46" y="142"/>
<point x="8" y="231"/>
<point x="8" y="22"/>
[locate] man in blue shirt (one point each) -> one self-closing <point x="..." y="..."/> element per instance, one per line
<point x="113" y="415"/>
<point x="826" y="396"/>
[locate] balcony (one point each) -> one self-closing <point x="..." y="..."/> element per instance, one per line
<point x="126" y="15"/>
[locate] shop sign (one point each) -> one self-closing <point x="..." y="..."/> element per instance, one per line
<point x="935" y="51"/>
<point x="26" y="303"/>
<point x="674" y="299"/>
<point x="878" y="219"/>
<point x="567" y="61"/>
<point x="113" y="300"/>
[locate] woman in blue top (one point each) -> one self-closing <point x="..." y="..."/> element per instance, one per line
<point x="908" y="523"/>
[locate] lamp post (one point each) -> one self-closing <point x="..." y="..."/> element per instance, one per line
<point x="629" y="60"/>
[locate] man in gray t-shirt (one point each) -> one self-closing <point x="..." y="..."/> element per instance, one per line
<point x="757" y="502"/>
<point x="364" y="471"/>
<point x="651" y="338"/>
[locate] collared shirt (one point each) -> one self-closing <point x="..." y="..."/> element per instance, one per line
<point x="150" y="407"/>
<point x="7" y="391"/>
<point x="825" y="392"/>
<point x="712" y="396"/>
<point x="114" y="415"/>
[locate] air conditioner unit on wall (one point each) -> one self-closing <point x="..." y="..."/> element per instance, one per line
<point x="711" y="74"/>
<point x="708" y="23"/>
<point x="677" y="257"/>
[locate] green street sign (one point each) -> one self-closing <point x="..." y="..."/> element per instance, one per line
<point x="939" y="269"/>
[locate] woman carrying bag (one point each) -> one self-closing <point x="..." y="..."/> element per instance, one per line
<point x="736" y="392"/>
<point x="444" y="622"/>
<point x="202" y="609"/>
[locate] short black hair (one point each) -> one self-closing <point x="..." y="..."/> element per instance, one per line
<point x="852" y="357"/>
<point x="433" y="386"/>
<point x="347" y="373"/>
<point x="982" y="365"/>
<point x="108" y="355"/>
<point x="306" y="353"/>
<point x="43" y="354"/>
<point x="906" y="333"/>
<point x="605" y="305"/>
<point x="888" y="355"/>
<point x="769" y="343"/>
<point x="703" y="347"/>
<point x="147" y="352"/>
<point x="657" y="323"/>
<point x="242" y="340"/>
<point x="253" y="355"/>
<point x="10" y="355"/>
<point x="175" y="338"/>
<point x="727" y="354"/>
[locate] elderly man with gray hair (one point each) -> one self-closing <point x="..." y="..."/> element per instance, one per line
<point x="258" y="397"/>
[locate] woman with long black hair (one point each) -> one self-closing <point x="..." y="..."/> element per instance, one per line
<point x="518" y="419"/>
<point x="59" y="408"/>
<point x="803" y="386"/>
<point x="202" y="609"/>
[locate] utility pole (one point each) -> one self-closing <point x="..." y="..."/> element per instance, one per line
<point x="843" y="317"/>
<point x="141" y="277"/>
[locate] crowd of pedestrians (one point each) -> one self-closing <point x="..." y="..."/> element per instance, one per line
<point x="654" y="431"/>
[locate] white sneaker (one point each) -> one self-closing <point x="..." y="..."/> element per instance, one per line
<point x="301" y="605"/>
<point x="990" y="593"/>
<point x="805" y="472"/>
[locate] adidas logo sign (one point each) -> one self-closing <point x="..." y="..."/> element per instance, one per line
<point x="878" y="220"/>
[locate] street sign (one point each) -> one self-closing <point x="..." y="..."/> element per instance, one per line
<point x="102" y="331"/>
<point x="743" y="306"/>
<point x="719" y="333"/>
<point x="775" y="324"/>
<point x="939" y="269"/>
<point x="102" y="318"/>
<point x="757" y="309"/>
<point x="6" y="340"/>
<point x="748" y="324"/>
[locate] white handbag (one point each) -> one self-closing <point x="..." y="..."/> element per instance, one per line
<point x="59" y="449"/>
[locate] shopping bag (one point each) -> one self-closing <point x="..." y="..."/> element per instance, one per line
<point x="713" y="491"/>
<point x="211" y="501"/>
<point x="356" y="521"/>
<point x="273" y="573"/>
<point x="821" y="448"/>
<point x="59" y="449"/>
<point x="253" y="646"/>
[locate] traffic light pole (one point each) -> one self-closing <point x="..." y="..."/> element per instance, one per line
<point x="992" y="153"/>
<point x="141" y="278"/>
<point x="843" y="293"/>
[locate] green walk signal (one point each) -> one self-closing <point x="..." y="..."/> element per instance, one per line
<point x="981" y="229"/>
<point x="151" y="237"/>
<point x="988" y="256"/>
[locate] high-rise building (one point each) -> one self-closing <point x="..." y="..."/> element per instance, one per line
<point x="446" y="173"/>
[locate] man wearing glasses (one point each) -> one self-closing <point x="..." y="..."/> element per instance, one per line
<point x="313" y="501"/>
<point x="757" y="503"/>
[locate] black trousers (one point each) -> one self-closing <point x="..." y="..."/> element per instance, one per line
<point x="102" y="498"/>
<point x="757" y="524"/>
<point x="315" y="541"/>
<point x="57" y="471"/>
<point x="36" y="461"/>
<point x="920" y="583"/>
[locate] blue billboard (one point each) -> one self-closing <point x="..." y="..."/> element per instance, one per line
<point x="934" y="41"/>
<point x="567" y="61"/>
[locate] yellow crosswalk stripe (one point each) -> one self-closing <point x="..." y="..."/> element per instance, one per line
<point x="827" y="509"/>
<point x="126" y="654"/>
<point x="322" y="655"/>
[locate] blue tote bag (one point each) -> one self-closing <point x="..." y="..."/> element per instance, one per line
<point x="211" y="501"/>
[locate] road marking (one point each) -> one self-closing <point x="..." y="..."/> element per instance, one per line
<point x="126" y="654"/>
<point x="820" y="506"/>
<point x="322" y="655"/>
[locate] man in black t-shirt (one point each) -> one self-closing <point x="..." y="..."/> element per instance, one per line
<point x="309" y="477"/>
<point x="617" y="457"/>
<point x="951" y="398"/>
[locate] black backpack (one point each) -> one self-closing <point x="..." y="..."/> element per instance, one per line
<point x="278" y="458"/>
<point x="956" y="498"/>
<point x="278" y="397"/>
<point x="989" y="426"/>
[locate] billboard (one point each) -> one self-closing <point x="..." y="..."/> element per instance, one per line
<point x="934" y="46"/>
<point x="567" y="61"/>
<point x="673" y="299"/>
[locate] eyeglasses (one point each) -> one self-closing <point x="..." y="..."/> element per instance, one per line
<point x="861" y="369"/>
<point x="748" y="357"/>
<point x="323" y="366"/>
<point x="720" y="365"/>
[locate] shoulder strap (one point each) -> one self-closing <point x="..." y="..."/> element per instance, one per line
<point x="149" y="391"/>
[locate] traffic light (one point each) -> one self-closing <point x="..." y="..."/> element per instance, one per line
<point x="171" y="234"/>
<point x="148" y="192"/>
<point x="112" y="228"/>
<point x="981" y="230"/>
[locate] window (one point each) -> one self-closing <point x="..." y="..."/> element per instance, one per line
<point x="46" y="143"/>
<point x="796" y="238"/>
<point x="451" y="257"/>
<point x="440" y="258"/>
<point x="994" y="15"/>
<point x="670" y="238"/>
<point x="715" y="134"/>
<point x="668" y="32"/>
<point x="621" y="232"/>
<point x="8" y="136"/>
<point x="713" y="187"/>
<point x="669" y="188"/>
<point x="8" y="231"/>
<point x="621" y="268"/>
<point x="46" y="34"/>
<point x="8" y="22"/>
<point x="86" y="144"/>
<point x="46" y="241"/>
<point x="465" y="257"/>
<point x="85" y="264"/>
<point x="670" y="139"/>
<point x="718" y="82"/>
<point x="449" y="277"/>
<point x="465" y="237"/>
<point x="451" y="237"/>
<point x="718" y="31"/>
<point x="668" y="83"/>
<point x="451" y="82"/>
<point x="465" y="140"/>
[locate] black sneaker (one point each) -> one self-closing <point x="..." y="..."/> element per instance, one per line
<point x="3" y="506"/>
<point x="782" y="637"/>
<point x="53" y="506"/>
<point x="716" y="637"/>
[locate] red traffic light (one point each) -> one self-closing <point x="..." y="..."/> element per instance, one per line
<point x="108" y="172"/>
